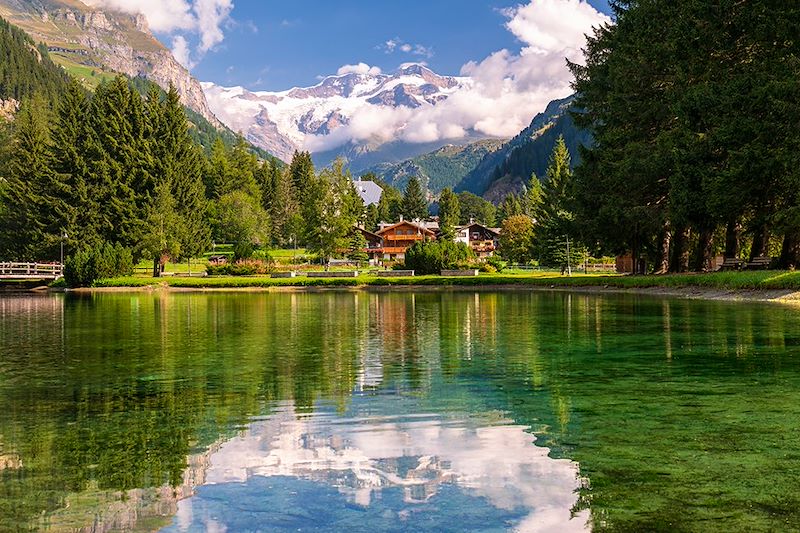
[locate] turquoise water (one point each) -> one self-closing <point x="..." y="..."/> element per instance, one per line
<point x="434" y="411"/>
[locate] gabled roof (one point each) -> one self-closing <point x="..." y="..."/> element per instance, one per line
<point x="420" y="227"/>
<point x="369" y="191"/>
<point x="496" y="231"/>
<point x="367" y="232"/>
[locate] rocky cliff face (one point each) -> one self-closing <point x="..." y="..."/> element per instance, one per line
<point x="8" y="108"/>
<point x="117" y="41"/>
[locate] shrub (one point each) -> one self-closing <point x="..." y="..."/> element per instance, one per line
<point x="242" y="250"/>
<point x="91" y="264"/>
<point x="251" y="267"/>
<point x="498" y="264"/>
<point x="431" y="257"/>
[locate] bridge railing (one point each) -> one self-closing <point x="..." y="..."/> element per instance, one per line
<point x="31" y="270"/>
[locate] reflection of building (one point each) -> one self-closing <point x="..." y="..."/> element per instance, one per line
<point x="482" y="239"/>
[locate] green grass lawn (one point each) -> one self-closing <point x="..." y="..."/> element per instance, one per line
<point x="719" y="280"/>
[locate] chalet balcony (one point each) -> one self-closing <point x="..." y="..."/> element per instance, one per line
<point x="483" y="246"/>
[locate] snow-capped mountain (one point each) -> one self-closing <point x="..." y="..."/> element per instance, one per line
<point x="348" y="109"/>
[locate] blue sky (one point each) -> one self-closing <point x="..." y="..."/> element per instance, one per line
<point x="276" y="45"/>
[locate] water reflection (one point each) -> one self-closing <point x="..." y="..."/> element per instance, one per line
<point x="485" y="411"/>
<point x="365" y="454"/>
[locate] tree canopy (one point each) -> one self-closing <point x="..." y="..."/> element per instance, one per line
<point x="696" y="146"/>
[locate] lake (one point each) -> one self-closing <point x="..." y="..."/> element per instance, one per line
<point x="399" y="411"/>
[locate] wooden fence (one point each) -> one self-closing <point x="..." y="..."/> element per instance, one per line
<point x="23" y="271"/>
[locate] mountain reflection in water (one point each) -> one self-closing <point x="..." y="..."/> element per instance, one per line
<point x="362" y="456"/>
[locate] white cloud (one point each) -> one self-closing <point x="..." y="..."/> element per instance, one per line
<point x="397" y="43"/>
<point x="180" y="49"/>
<point x="505" y="90"/>
<point x="211" y="14"/>
<point x="360" y="68"/>
<point x="390" y="45"/>
<point x="203" y="18"/>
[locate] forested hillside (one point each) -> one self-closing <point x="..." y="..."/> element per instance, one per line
<point x="440" y="169"/>
<point x="507" y="170"/>
<point x="26" y="68"/>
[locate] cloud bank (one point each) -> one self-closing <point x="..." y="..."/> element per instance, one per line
<point x="504" y="91"/>
<point x="202" y="19"/>
<point x="360" y="68"/>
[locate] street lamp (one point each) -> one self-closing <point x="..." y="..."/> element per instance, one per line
<point x="63" y="238"/>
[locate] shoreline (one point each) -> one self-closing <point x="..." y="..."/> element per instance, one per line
<point x="785" y="296"/>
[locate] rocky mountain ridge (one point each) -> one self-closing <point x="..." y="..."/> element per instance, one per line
<point x="84" y="36"/>
<point x="281" y="122"/>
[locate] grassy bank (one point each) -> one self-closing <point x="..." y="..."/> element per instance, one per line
<point x="760" y="280"/>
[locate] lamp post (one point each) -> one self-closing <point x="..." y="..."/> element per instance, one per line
<point x="63" y="238"/>
<point x="569" y="267"/>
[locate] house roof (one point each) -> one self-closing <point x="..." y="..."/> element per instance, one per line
<point x="367" y="232"/>
<point x="406" y="223"/>
<point x="369" y="191"/>
<point x="496" y="231"/>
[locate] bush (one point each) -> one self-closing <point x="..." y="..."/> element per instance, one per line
<point x="242" y="250"/>
<point x="252" y="267"/>
<point x="103" y="261"/>
<point x="431" y="257"/>
<point x="498" y="264"/>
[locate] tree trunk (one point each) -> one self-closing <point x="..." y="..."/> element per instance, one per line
<point x="760" y="242"/>
<point x="663" y="264"/>
<point x="704" y="257"/>
<point x="157" y="267"/>
<point x="680" y="250"/>
<point x="790" y="252"/>
<point x="732" y="240"/>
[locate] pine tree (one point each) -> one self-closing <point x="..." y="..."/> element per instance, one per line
<point x="414" y="204"/>
<point x="357" y="246"/>
<point x="301" y="171"/>
<point x="71" y="165"/>
<point x="390" y="205"/>
<point x="119" y="161"/>
<point x="555" y="219"/>
<point x="284" y="210"/>
<point x="179" y="163"/>
<point x="509" y="207"/>
<point x="32" y="217"/>
<point x="245" y="166"/>
<point x="371" y="217"/>
<point x="449" y="212"/>
<point x="533" y="196"/>
<point x="218" y="177"/>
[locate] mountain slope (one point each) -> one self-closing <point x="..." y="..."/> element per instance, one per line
<point x="25" y="69"/>
<point x="507" y="169"/>
<point x="442" y="168"/>
<point x="92" y="44"/>
<point x="316" y="117"/>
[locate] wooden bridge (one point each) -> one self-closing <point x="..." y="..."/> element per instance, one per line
<point x="23" y="271"/>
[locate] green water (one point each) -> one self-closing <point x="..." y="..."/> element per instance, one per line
<point x="397" y="412"/>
